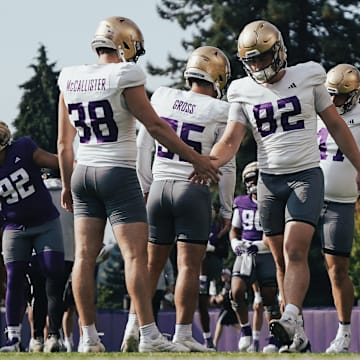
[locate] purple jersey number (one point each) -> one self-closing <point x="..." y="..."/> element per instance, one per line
<point x="323" y="134"/>
<point x="186" y="129"/>
<point x="264" y="115"/>
<point x="102" y="126"/>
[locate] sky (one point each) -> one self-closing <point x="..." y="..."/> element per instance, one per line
<point x="66" y="28"/>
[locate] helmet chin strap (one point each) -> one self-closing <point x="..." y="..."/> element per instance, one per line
<point x="217" y="90"/>
<point x="122" y="54"/>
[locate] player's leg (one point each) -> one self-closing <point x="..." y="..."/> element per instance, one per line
<point x="89" y="233"/>
<point x="16" y="252"/>
<point x="186" y="293"/>
<point x="192" y="227"/>
<point x="337" y="236"/>
<point x="240" y="284"/>
<point x="128" y="218"/>
<point x="303" y="193"/>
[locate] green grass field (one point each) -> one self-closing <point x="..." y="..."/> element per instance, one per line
<point x="170" y="356"/>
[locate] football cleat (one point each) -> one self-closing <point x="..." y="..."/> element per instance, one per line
<point x="92" y="347"/>
<point x="160" y="344"/>
<point x="36" y="344"/>
<point x="130" y="343"/>
<point x="341" y="344"/>
<point x="12" y="345"/>
<point x="300" y="343"/>
<point x="245" y="338"/>
<point x="283" y="330"/>
<point x="272" y="346"/>
<point x="52" y="344"/>
<point x="192" y="345"/>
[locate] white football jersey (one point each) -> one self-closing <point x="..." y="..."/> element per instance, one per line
<point x="339" y="173"/>
<point x="283" y="116"/>
<point x="97" y="109"/>
<point x="199" y="120"/>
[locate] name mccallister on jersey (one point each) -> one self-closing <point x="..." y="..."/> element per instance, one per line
<point x="86" y="85"/>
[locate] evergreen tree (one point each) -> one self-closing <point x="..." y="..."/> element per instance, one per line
<point x="318" y="30"/>
<point x="38" y="107"/>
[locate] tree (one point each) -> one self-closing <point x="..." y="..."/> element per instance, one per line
<point x="318" y="30"/>
<point x="38" y="107"/>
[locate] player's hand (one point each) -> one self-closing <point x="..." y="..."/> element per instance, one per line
<point x="205" y="170"/>
<point x="238" y="246"/>
<point x="66" y="200"/>
<point x="251" y="249"/>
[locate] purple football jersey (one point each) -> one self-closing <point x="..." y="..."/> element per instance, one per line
<point x="249" y="216"/>
<point x="25" y="201"/>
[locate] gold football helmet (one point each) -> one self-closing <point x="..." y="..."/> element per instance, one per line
<point x="344" y="79"/>
<point x="121" y="34"/>
<point x="210" y="64"/>
<point x="5" y="135"/>
<point x="257" y="38"/>
<point x="250" y="177"/>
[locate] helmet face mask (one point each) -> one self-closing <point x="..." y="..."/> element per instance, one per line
<point x="250" y="176"/>
<point x="257" y="40"/>
<point x="121" y="34"/>
<point x="210" y="64"/>
<point x="343" y="81"/>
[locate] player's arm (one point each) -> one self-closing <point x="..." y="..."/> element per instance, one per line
<point x="342" y="136"/>
<point x="145" y="148"/>
<point x="226" y="189"/>
<point x="139" y="105"/>
<point x="228" y="145"/>
<point x="45" y="159"/>
<point x="66" y="135"/>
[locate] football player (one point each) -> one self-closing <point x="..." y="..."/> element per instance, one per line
<point x="99" y="104"/>
<point x="254" y="264"/>
<point x="199" y="117"/>
<point x="280" y="104"/>
<point x="31" y="222"/>
<point x="337" y="217"/>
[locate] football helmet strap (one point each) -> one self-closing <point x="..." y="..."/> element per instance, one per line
<point x="259" y="37"/>
<point x="5" y="135"/>
<point x="344" y="79"/>
<point x="250" y="171"/>
<point x="210" y="64"/>
<point x="121" y="34"/>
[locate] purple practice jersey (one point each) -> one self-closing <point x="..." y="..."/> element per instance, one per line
<point x="246" y="217"/>
<point x="25" y="201"/>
